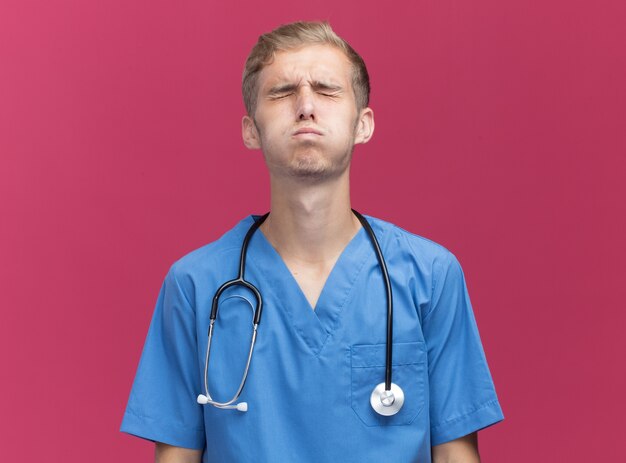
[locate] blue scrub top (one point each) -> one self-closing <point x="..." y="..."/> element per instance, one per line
<point x="313" y="371"/>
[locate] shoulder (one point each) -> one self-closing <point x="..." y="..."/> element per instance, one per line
<point x="210" y="260"/>
<point x="229" y="241"/>
<point x="396" y="240"/>
<point x="420" y="263"/>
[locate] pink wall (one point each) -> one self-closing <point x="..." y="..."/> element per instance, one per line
<point x="500" y="134"/>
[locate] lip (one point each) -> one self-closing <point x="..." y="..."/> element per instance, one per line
<point x="307" y="131"/>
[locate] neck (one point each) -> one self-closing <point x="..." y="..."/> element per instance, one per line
<point x="310" y="222"/>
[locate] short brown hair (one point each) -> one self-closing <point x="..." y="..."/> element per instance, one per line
<point x="294" y="35"/>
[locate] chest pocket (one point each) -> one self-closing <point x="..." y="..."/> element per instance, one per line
<point x="408" y="372"/>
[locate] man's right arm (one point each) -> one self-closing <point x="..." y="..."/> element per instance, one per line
<point x="165" y="453"/>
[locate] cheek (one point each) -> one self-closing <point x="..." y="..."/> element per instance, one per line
<point x="267" y="132"/>
<point x="276" y="122"/>
<point x="344" y="128"/>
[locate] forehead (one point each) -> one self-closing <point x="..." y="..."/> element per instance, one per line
<point x="324" y="63"/>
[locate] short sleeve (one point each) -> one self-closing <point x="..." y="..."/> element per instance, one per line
<point x="462" y="394"/>
<point x="162" y="405"/>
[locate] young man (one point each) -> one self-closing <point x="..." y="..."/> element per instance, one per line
<point x="321" y="348"/>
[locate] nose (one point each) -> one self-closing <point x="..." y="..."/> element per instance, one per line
<point x="305" y="106"/>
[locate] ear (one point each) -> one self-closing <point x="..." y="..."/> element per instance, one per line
<point x="365" y="126"/>
<point x="250" y="134"/>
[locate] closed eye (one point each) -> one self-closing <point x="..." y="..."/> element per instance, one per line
<point x="280" y="96"/>
<point x="327" y="89"/>
<point x="282" y="91"/>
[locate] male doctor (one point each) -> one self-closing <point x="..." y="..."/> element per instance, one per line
<point x="321" y="344"/>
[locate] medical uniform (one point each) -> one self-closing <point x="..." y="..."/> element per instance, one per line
<point x="313" y="371"/>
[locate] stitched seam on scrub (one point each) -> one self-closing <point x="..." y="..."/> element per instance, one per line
<point x="154" y="420"/>
<point x="216" y="254"/>
<point x="432" y="292"/>
<point x="434" y="277"/>
<point x="173" y="272"/>
<point x="462" y="417"/>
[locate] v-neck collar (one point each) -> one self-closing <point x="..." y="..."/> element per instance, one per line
<point x="314" y="327"/>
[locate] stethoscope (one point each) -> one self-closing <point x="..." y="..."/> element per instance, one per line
<point x="386" y="399"/>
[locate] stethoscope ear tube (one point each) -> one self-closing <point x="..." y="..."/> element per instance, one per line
<point x="239" y="281"/>
<point x="206" y="398"/>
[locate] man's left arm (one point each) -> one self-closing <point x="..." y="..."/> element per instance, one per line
<point x="462" y="396"/>
<point x="462" y="450"/>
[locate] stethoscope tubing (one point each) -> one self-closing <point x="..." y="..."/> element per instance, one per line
<point x="383" y="267"/>
<point x="378" y="393"/>
<point x="240" y="280"/>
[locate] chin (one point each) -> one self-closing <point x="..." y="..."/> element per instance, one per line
<point x="309" y="172"/>
<point x="313" y="166"/>
<point x="316" y="171"/>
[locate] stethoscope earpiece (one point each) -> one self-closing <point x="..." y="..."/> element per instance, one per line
<point x="241" y="406"/>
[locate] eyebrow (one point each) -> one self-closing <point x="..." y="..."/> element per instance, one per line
<point x="316" y="85"/>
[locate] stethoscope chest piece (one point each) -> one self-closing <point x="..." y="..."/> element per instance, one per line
<point x="387" y="403"/>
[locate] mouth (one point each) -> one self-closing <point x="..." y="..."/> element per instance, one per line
<point x="306" y="131"/>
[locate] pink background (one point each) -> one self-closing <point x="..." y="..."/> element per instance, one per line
<point x="500" y="134"/>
